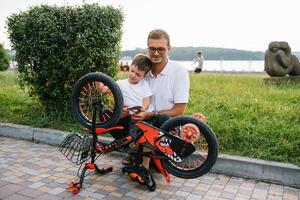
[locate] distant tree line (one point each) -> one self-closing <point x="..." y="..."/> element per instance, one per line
<point x="210" y="53"/>
<point x="188" y="53"/>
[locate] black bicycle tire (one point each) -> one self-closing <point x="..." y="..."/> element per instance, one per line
<point x="114" y="88"/>
<point x="212" y="151"/>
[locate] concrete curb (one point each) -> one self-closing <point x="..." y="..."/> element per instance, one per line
<point x="274" y="172"/>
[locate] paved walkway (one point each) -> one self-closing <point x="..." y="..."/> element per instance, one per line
<point x="39" y="171"/>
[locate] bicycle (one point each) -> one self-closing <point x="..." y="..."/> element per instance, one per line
<point x="183" y="146"/>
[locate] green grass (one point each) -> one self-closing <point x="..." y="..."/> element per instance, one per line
<point x="16" y="106"/>
<point x="249" y="118"/>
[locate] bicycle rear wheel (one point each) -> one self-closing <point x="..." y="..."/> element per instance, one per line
<point x="204" y="140"/>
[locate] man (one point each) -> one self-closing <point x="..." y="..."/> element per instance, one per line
<point x="169" y="82"/>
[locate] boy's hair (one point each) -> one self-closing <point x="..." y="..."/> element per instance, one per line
<point x="143" y="62"/>
<point x="159" y="34"/>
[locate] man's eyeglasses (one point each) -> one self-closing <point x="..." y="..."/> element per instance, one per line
<point x="160" y="50"/>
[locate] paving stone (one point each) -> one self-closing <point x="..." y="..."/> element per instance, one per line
<point x="132" y="194"/>
<point x="209" y="197"/>
<point x="289" y="196"/>
<point x="182" y="193"/>
<point x="214" y="193"/>
<point x="176" y="184"/>
<point x="17" y="197"/>
<point x="244" y="191"/>
<point x="56" y="190"/>
<point x="228" y="195"/>
<point x="194" y="197"/>
<point x="61" y="180"/>
<point x="85" y="193"/>
<point x="36" y="185"/>
<point x="274" y="197"/>
<point x="2" y="183"/>
<point x="97" y="195"/>
<point x="9" y="189"/>
<point x="241" y="197"/>
<point x="30" y="192"/>
<point x="8" y="178"/>
<point x="186" y="189"/>
<point x="59" y="169"/>
<point x="231" y="189"/>
<point x="116" y="194"/>
<point x="48" y="197"/>
<point x="25" y="183"/>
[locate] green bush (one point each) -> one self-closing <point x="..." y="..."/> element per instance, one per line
<point x="55" y="46"/>
<point x="4" y="59"/>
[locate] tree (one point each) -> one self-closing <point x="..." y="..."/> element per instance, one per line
<point x="55" y="46"/>
<point x="4" y="59"/>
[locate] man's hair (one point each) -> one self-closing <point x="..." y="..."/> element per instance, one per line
<point x="142" y="62"/>
<point x="159" y="34"/>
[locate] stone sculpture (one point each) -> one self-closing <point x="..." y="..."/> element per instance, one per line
<point x="279" y="60"/>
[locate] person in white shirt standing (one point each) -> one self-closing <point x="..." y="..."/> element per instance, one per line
<point x="199" y="60"/>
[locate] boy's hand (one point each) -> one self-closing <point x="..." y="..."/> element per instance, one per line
<point x="125" y="112"/>
<point x="140" y="116"/>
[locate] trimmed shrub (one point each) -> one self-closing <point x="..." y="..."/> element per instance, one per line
<point x="4" y="59"/>
<point x="55" y="46"/>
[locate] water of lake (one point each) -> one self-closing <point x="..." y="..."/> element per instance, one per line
<point x="229" y="65"/>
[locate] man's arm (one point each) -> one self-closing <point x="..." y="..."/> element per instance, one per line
<point x="177" y="110"/>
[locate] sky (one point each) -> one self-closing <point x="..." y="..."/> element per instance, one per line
<point x="237" y="24"/>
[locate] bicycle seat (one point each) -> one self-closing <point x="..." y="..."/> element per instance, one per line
<point x="101" y="131"/>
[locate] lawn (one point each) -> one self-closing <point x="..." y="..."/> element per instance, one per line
<point x="249" y="117"/>
<point x="16" y="106"/>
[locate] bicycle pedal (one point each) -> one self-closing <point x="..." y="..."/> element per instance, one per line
<point x="74" y="187"/>
<point x="134" y="176"/>
<point x="71" y="185"/>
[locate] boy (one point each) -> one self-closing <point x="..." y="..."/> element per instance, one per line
<point x="136" y="92"/>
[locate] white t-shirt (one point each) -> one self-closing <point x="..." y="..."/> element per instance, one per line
<point x="169" y="87"/>
<point x="200" y="62"/>
<point x="133" y="94"/>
